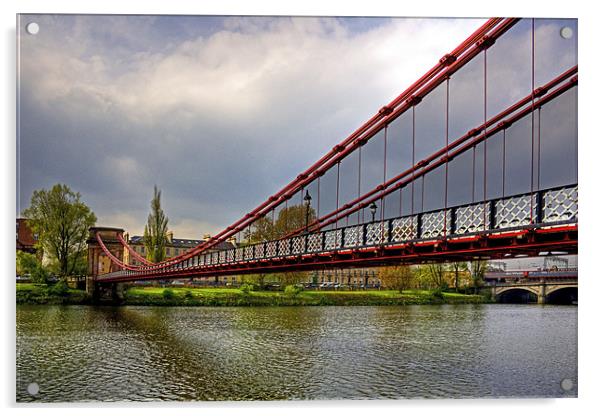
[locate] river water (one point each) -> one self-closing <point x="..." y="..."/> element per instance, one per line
<point x="85" y="353"/>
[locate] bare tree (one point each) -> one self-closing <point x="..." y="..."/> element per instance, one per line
<point x="477" y="272"/>
<point x="457" y="268"/>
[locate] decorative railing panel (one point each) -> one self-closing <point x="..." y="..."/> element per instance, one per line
<point x="376" y="233"/>
<point x="298" y="245"/>
<point x="353" y="236"/>
<point x="240" y="254"/>
<point x="472" y="218"/>
<point x="404" y="229"/>
<point x="515" y="211"/>
<point x="435" y="224"/>
<point x="260" y="250"/>
<point x="284" y="247"/>
<point x="560" y="205"/>
<point x="333" y="239"/>
<point x="270" y="249"/>
<point x="314" y="242"/>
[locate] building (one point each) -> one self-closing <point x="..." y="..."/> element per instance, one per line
<point x="26" y="239"/>
<point x="362" y="277"/>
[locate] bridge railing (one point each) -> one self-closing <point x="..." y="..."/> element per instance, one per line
<point x="544" y="208"/>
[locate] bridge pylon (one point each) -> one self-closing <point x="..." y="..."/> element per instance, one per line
<point x="99" y="263"/>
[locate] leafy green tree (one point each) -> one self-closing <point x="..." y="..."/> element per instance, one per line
<point x="257" y="280"/>
<point x="399" y="277"/>
<point x="289" y="219"/>
<point x="291" y="278"/>
<point x="61" y="221"/>
<point x="28" y="263"/>
<point x="155" y="230"/>
<point x="432" y="276"/>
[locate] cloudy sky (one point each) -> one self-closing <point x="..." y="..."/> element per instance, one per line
<point x="219" y="112"/>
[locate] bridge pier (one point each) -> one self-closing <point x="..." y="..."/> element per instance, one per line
<point x="117" y="293"/>
<point x="541" y="294"/>
<point x="92" y="289"/>
<point x="105" y="292"/>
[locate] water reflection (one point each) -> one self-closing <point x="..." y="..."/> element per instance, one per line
<point x="80" y="353"/>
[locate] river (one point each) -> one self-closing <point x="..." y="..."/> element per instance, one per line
<point x="85" y="353"/>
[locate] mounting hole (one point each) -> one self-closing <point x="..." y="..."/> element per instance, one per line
<point x="567" y="384"/>
<point x="33" y="389"/>
<point x="32" y="28"/>
<point x="566" y="32"/>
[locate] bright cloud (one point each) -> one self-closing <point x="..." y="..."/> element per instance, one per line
<point x="219" y="112"/>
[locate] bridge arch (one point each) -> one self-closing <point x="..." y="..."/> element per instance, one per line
<point x="562" y="295"/>
<point x="517" y="295"/>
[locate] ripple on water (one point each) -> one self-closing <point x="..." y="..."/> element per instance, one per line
<point x="142" y="354"/>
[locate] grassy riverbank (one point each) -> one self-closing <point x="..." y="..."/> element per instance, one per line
<point x="33" y="293"/>
<point x="42" y="294"/>
<point x="237" y="297"/>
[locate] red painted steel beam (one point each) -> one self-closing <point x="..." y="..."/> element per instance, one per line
<point x="133" y="252"/>
<point x="110" y="255"/>
<point x="413" y="254"/>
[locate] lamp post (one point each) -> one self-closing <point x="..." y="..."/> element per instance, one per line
<point x="307" y="199"/>
<point x="373" y="209"/>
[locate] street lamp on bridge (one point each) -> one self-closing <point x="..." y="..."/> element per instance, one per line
<point x="373" y="208"/>
<point x="307" y="199"/>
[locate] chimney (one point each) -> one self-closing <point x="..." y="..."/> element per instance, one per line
<point x="170" y="236"/>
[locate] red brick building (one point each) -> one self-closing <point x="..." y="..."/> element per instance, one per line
<point x="26" y="239"/>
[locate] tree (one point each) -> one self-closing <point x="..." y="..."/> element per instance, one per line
<point x="29" y="264"/>
<point x="396" y="277"/>
<point x="477" y="272"/>
<point x="289" y="219"/>
<point x="433" y="275"/>
<point x="291" y="278"/>
<point x="155" y="230"/>
<point x="457" y="268"/>
<point x="61" y="221"/>
<point x="257" y="280"/>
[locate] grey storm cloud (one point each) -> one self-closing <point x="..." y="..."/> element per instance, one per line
<point x="219" y="112"/>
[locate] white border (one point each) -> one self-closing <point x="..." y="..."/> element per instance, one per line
<point x="589" y="189"/>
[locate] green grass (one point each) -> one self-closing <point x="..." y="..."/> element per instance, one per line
<point x="40" y="294"/>
<point x="235" y="297"/>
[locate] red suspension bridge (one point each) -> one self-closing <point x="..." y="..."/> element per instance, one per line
<point x="475" y="160"/>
